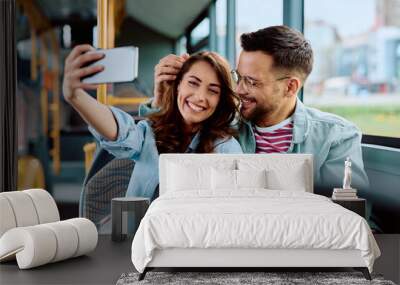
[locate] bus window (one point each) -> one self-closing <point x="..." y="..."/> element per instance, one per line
<point x="357" y="62"/>
<point x="256" y="14"/>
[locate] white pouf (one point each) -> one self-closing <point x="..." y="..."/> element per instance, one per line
<point x="26" y="208"/>
<point x="7" y="218"/>
<point x="40" y="244"/>
<point x="31" y="231"/>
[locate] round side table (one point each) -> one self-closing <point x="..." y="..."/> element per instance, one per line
<point x="135" y="205"/>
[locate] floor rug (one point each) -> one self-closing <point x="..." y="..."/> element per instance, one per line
<point x="243" y="278"/>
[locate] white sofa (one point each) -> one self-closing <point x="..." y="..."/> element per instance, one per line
<point x="31" y="231"/>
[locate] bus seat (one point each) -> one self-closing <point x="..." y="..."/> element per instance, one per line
<point x="30" y="173"/>
<point x="107" y="178"/>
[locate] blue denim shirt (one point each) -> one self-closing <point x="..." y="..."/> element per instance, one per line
<point x="328" y="137"/>
<point x="136" y="142"/>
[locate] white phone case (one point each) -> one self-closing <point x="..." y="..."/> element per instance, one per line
<point x="120" y="65"/>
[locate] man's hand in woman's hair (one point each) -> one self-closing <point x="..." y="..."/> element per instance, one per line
<point x="164" y="73"/>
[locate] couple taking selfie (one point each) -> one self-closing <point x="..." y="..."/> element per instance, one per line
<point x="201" y="106"/>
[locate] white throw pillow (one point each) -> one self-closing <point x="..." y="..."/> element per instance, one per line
<point x="223" y="179"/>
<point x="194" y="174"/>
<point x="251" y="178"/>
<point x="182" y="177"/>
<point x="279" y="180"/>
<point x="287" y="173"/>
<point x="236" y="179"/>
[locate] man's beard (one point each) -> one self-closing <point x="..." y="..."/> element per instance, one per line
<point x="257" y="114"/>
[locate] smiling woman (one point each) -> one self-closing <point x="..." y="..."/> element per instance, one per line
<point x="200" y="98"/>
<point x="197" y="110"/>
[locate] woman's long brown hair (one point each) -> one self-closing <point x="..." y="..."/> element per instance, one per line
<point x="167" y="124"/>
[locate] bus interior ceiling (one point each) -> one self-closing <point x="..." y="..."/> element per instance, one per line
<point x="46" y="32"/>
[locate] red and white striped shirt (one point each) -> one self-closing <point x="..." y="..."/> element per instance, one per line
<point x="277" y="138"/>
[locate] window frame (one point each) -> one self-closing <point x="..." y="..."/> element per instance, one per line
<point x="381" y="140"/>
<point x="201" y="43"/>
<point x="8" y="97"/>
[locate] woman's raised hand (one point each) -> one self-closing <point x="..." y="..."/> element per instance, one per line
<point x="164" y="73"/>
<point x="75" y="68"/>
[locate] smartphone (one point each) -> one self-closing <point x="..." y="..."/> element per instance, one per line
<point x="120" y="65"/>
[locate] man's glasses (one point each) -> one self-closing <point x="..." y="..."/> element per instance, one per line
<point x="249" y="82"/>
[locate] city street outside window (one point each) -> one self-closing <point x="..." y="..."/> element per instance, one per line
<point x="357" y="62"/>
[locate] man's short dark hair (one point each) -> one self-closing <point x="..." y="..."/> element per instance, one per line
<point x="288" y="48"/>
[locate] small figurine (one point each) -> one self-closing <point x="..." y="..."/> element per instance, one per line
<point x="347" y="174"/>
